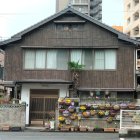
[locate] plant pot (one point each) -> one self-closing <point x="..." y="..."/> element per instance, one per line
<point x="86" y="114"/>
<point x="98" y="129"/>
<point x="93" y="112"/>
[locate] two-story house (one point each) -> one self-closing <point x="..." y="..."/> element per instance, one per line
<point x="36" y="60"/>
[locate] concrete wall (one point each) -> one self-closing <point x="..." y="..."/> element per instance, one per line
<point x="12" y="115"/>
<point x="25" y="93"/>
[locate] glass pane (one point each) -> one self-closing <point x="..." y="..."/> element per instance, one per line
<point x="110" y="59"/>
<point x="62" y="59"/>
<point x="40" y="58"/>
<point x="29" y="59"/>
<point x="51" y="59"/>
<point x="76" y="56"/>
<point x="99" y="59"/>
<point x="87" y="59"/>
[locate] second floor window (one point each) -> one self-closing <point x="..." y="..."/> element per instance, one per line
<point x="105" y="59"/>
<point x="93" y="59"/>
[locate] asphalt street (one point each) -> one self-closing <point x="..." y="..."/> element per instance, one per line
<point x="60" y="136"/>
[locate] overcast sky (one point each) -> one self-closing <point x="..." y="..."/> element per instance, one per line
<point x="17" y="15"/>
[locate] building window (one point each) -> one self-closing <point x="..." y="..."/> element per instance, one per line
<point x="68" y="27"/>
<point x="86" y="59"/>
<point x="76" y="56"/>
<point x="62" y="59"/>
<point x="51" y="59"/>
<point x="105" y="59"/>
<point x="58" y="58"/>
<point x="79" y="1"/>
<point x="136" y="2"/>
<point x="99" y="60"/>
<point x="128" y="7"/>
<point x="29" y="59"/>
<point x="136" y="30"/>
<point x="136" y="15"/>
<point x="42" y="59"/>
<point x="81" y="8"/>
<point x="128" y="20"/>
<point x="128" y="33"/>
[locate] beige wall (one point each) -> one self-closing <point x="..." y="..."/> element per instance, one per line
<point x="129" y="11"/>
<point x="61" y="4"/>
<point x="83" y="7"/>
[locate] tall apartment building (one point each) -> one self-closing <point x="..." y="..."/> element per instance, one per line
<point x="132" y="18"/>
<point x="90" y="7"/>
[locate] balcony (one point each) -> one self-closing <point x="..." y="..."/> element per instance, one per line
<point x="79" y="2"/>
<point x="95" y="4"/>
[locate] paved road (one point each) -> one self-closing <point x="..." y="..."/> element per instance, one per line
<point x="60" y="136"/>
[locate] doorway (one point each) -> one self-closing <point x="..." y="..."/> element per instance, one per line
<point x="43" y="104"/>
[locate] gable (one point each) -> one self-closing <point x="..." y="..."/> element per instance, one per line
<point x="69" y="15"/>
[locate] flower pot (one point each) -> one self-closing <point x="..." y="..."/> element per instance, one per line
<point x="116" y="107"/>
<point x="108" y="106"/>
<point x="101" y="106"/>
<point x="94" y="106"/>
<point x="66" y="113"/>
<point x="71" y="109"/>
<point x="93" y="112"/>
<point x="98" y="129"/>
<point x="109" y="119"/>
<point x="86" y="114"/>
<point x="123" y="106"/>
<point x="131" y="106"/>
<point x="101" y="113"/>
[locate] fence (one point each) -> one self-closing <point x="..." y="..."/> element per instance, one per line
<point x="12" y="115"/>
<point x="130" y="119"/>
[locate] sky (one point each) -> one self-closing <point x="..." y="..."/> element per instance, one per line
<point x="17" y="15"/>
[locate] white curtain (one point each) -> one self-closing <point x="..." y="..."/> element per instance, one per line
<point x="99" y="59"/>
<point x="40" y="59"/>
<point x="29" y="59"/>
<point x="62" y="59"/>
<point x="51" y="59"/>
<point x="76" y="56"/>
<point x="110" y="59"/>
<point x="87" y="59"/>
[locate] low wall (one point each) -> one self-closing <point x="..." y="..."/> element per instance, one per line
<point x="12" y="115"/>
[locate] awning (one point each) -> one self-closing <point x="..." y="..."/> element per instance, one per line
<point x="7" y="83"/>
<point x="44" y="81"/>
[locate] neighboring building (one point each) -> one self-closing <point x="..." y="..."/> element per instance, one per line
<point x="36" y="61"/>
<point x="89" y="7"/>
<point x="132" y="18"/>
<point x="118" y="28"/>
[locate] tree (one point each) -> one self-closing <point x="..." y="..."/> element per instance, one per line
<point x="75" y="68"/>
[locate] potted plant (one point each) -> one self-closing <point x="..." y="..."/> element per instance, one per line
<point x="61" y="119"/>
<point x="86" y="114"/>
<point x="116" y="107"/>
<point x="82" y="108"/>
<point x="66" y="113"/>
<point x="101" y="113"/>
<point x="93" y="112"/>
<point x="71" y="108"/>
<point x="109" y="119"/>
<point x="98" y="129"/>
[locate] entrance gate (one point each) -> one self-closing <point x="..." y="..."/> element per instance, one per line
<point x="42" y="106"/>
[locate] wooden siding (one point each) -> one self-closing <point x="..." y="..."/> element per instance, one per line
<point x="91" y="36"/>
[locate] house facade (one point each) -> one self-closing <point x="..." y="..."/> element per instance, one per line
<point x="36" y="60"/>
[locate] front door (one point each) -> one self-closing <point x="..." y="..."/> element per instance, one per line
<point x="42" y="105"/>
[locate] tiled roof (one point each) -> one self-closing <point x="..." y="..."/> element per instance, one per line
<point x="70" y="10"/>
